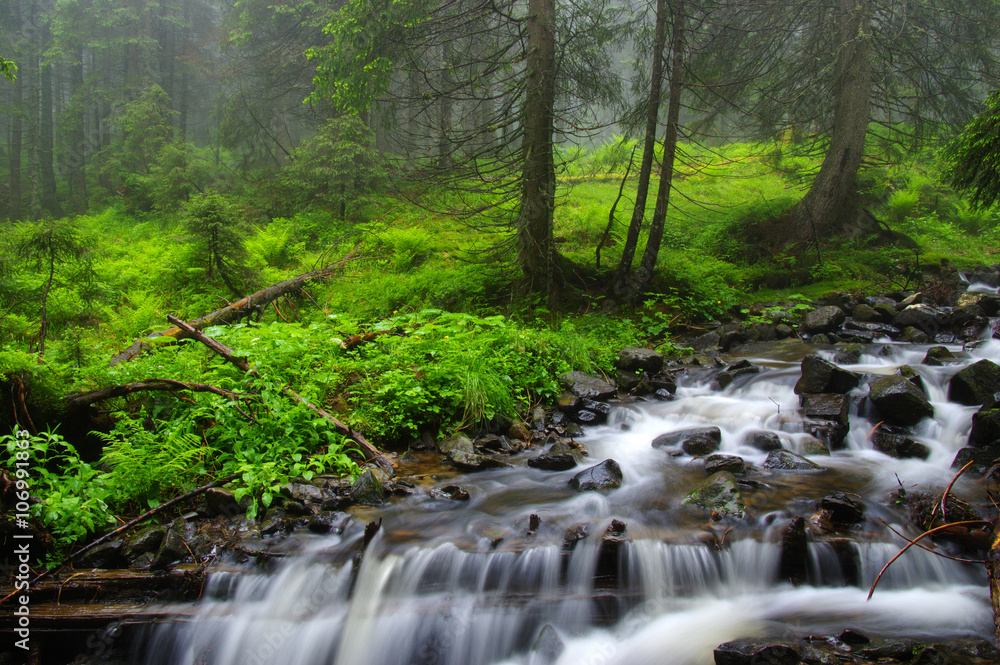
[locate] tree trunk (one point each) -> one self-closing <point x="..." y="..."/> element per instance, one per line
<point x="76" y="152"/>
<point x="831" y="205"/>
<point x="535" y="247"/>
<point x="445" y="108"/>
<point x="648" y="263"/>
<point x="46" y="137"/>
<point x="623" y="273"/>
<point x="14" y="158"/>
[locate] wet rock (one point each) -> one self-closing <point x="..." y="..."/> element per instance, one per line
<point x="553" y="462"/>
<point x="938" y="356"/>
<point x="145" y="541"/>
<point x="794" y="562"/>
<point x="912" y="376"/>
<point x="326" y="521"/>
<point x="854" y="638"/>
<point x="988" y="304"/>
<point x="872" y="330"/>
<point x="823" y="320"/>
<point x="175" y="544"/>
<point x="976" y="384"/>
<point x="491" y="443"/>
<point x="912" y="335"/>
<point x="369" y="489"/>
<point x="719" y="494"/>
<point x="985" y="428"/>
<point x="923" y="317"/>
<point x="762" y="440"/>
<point x="221" y="501"/>
<point x="587" y="386"/>
<point x="832" y="434"/>
<point x="842" y="510"/>
<point x="303" y="493"/>
<point x="982" y="458"/>
<point x="981" y="649"/>
<point x="450" y="493"/>
<point x="547" y="648"/>
<point x="822" y="376"/>
<point x="106" y="555"/>
<point x="849" y="354"/>
<point x="709" y="340"/>
<point x="630" y="382"/>
<point x="638" y="359"/>
<point x="829" y="406"/>
<point x="754" y="652"/>
<point x="899" y="401"/>
<point x="896" y="444"/>
<point x="462" y="453"/>
<point x="887" y="650"/>
<point x="720" y="462"/>
<point x="575" y="533"/>
<point x="700" y="437"/>
<point x="783" y="331"/>
<point x="142" y="562"/>
<point x="518" y="431"/>
<point x="866" y="314"/>
<point x="600" y="478"/>
<point x="813" y="446"/>
<point x="987" y="275"/>
<point x="733" y="338"/>
<point x="274" y="522"/>
<point x="731" y="373"/>
<point x="932" y="654"/>
<point x="785" y="460"/>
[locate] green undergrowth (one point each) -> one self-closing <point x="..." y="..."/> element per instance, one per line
<point x="452" y="343"/>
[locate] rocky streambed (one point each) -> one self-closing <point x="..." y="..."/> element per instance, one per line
<point x="732" y="506"/>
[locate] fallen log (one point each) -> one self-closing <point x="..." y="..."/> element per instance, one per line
<point x="81" y="399"/>
<point x="372" y="453"/>
<point x="235" y="310"/>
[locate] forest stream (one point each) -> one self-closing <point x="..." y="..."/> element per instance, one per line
<point x="529" y="571"/>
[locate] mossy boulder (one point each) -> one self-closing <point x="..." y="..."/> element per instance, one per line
<point x="718" y="494"/>
<point x="822" y="376"/>
<point x="899" y="401"/>
<point x="976" y="384"/>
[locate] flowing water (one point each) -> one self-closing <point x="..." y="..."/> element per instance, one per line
<point x="467" y="583"/>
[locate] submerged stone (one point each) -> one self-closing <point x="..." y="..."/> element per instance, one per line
<point x="702" y="437"/>
<point x="720" y="462"/>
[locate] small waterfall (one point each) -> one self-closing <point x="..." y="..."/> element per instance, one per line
<point x="471" y="586"/>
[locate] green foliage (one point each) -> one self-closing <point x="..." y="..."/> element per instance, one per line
<point x="8" y="70"/>
<point x="217" y="247"/>
<point x="72" y="502"/>
<point x="338" y="169"/>
<point x="974" y="157"/>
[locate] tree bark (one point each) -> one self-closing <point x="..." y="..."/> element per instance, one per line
<point x="648" y="264"/>
<point x="16" y="128"/>
<point x="76" y="400"/>
<point x="76" y="153"/>
<point x="832" y="205"/>
<point x="623" y="273"/>
<point x="46" y="138"/>
<point x="535" y="246"/>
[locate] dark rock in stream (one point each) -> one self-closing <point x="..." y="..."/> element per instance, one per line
<point x="842" y="510"/>
<point x="734" y="371"/>
<point x="939" y="356"/>
<point x="899" y="401"/>
<point x="978" y="383"/>
<point x="982" y="458"/>
<point x="146" y="541"/>
<point x="175" y="546"/>
<point x="822" y="376"/>
<point x="720" y="462"/>
<point x="826" y="406"/>
<point x="985" y="428"/>
<point x="762" y="440"/>
<point x="450" y="493"/>
<point x="370" y="488"/>
<point x="553" y="462"/>
<point x="785" y="460"/>
<point x="462" y="453"/>
<point x="894" y="443"/>
<point x="923" y="317"/>
<point x="794" y="563"/>
<point x="707" y="439"/>
<point x="751" y="651"/>
<point x="600" y="478"/>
